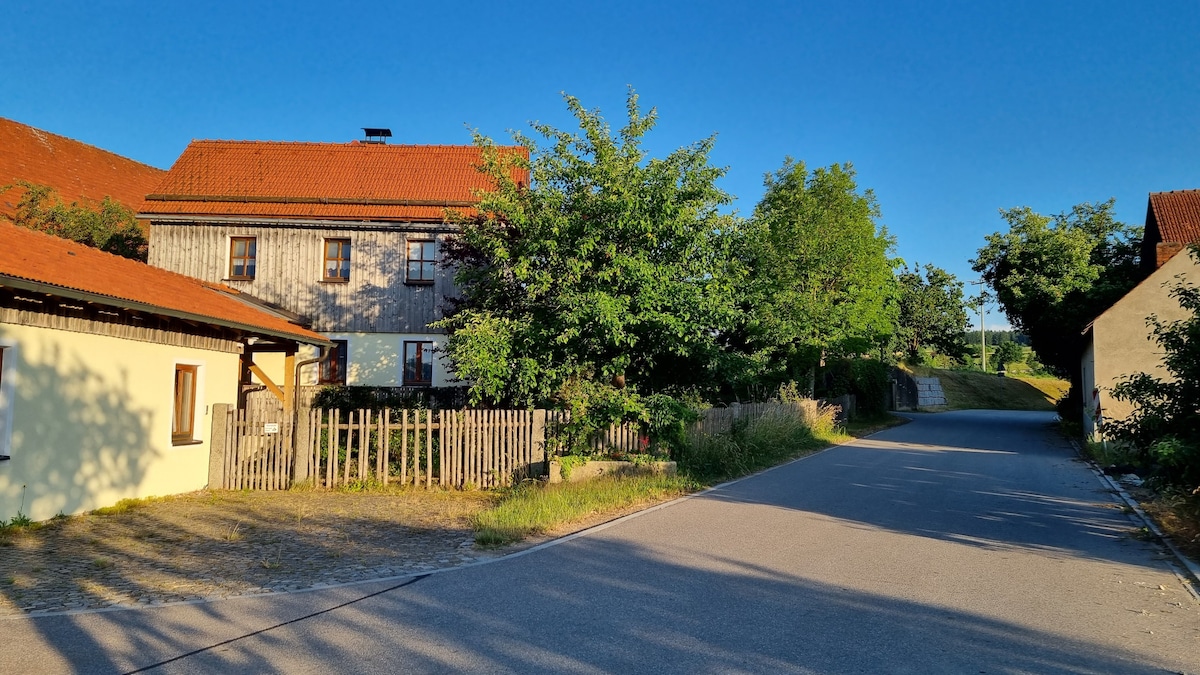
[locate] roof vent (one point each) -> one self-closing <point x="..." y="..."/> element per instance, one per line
<point x="377" y="136"/>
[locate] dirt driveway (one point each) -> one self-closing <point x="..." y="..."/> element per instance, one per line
<point x="220" y="544"/>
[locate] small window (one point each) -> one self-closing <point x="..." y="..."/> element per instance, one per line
<point x="183" y="422"/>
<point x="333" y="366"/>
<point x="418" y="363"/>
<point x="337" y="260"/>
<point x="422" y="256"/>
<point x="242" y="251"/>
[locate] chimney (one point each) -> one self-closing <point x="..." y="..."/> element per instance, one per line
<point x="376" y="136"/>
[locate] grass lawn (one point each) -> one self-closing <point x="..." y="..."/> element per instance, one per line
<point x="966" y="390"/>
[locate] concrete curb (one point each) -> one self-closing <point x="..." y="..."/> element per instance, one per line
<point x="1190" y="574"/>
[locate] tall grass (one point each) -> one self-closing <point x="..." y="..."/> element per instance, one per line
<point x="756" y="444"/>
<point x="751" y="445"/>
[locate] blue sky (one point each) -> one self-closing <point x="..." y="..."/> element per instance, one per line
<point x="949" y="111"/>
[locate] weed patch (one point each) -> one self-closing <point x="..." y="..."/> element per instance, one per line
<point x="532" y="509"/>
<point x="753" y="445"/>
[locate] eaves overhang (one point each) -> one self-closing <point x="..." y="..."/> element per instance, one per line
<point x="30" y="285"/>
<point x="430" y="226"/>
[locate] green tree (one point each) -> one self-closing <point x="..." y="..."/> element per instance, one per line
<point x="110" y="226"/>
<point x="932" y="312"/>
<point x="1165" y="424"/>
<point x="1008" y="352"/>
<point x="609" y="275"/>
<point x="1054" y="274"/>
<point x="821" y="279"/>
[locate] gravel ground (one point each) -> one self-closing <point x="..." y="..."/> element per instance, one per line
<point x="220" y="544"/>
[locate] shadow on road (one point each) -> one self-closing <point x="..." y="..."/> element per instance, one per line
<point x="605" y="607"/>
<point x="606" y="604"/>
<point x="992" y="479"/>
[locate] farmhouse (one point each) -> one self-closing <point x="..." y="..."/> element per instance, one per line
<point x="1119" y="342"/>
<point x="347" y="235"/>
<point x="109" y="371"/>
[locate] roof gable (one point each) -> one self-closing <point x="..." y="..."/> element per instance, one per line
<point x="321" y="180"/>
<point x="77" y="171"/>
<point x="50" y="261"/>
<point x="1177" y="215"/>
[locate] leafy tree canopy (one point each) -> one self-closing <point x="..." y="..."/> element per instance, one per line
<point x="109" y="227"/>
<point x="932" y="312"/>
<point x="1006" y="353"/>
<point x="608" y="275"/>
<point x="821" y="278"/>
<point x="1054" y="274"/>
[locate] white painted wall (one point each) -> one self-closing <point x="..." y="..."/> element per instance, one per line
<point x="375" y="359"/>
<point x="91" y="420"/>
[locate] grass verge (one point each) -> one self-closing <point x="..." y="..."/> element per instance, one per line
<point x="1174" y="510"/>
<point x="1177" y="514"/>
<point x="974" y="390"/>
<point x="535" y="509"/>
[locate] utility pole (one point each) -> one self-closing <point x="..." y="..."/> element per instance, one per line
<point x="982" y="333"/>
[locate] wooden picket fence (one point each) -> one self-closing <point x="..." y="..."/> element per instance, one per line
<point x="257" y="451"/>
<point x="258" y="448"/>
<point x="446" y="448"/>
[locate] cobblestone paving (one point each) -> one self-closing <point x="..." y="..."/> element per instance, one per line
<point x="209" y="545"/>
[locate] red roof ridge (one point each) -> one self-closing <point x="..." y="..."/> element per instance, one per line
<point x="83" y="143"/>
<point x="1171" y="192"/>
<point x="356" y="143"/>
<point x="342" y="181"/>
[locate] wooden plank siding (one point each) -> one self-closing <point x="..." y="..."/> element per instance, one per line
<point x="288" y="272"/>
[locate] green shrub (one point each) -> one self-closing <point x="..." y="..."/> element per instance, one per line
<point x="347" y="398"/>
<point x="866" y="379"/>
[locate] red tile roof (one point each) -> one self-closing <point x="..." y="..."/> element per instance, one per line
<point x="78" y="171"/>
<point x="321" y="180"/>
<point x="1177" y="214"/>
<point x="33" y="256"/>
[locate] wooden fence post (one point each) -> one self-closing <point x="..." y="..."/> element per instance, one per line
<point x="537" y="442"/>
<point x="218" y="442"/>
<point x="301" y="442"/>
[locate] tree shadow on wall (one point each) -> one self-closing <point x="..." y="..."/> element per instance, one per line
<point x="78" y="440"/>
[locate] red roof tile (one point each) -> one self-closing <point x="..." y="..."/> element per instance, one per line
<point x="1178" y="215"/>
<point x="41" y="258"/>
<point x="321" y="180"/>
<point x="78" y="171"/>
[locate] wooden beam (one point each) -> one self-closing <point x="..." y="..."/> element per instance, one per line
<point x="271" y="386"/>
<point x="289" y="379"/>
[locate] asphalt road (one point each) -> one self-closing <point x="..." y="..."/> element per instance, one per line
<point x="965" y="542"/>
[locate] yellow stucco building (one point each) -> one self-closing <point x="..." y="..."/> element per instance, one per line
<point x="109" y="371"/>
